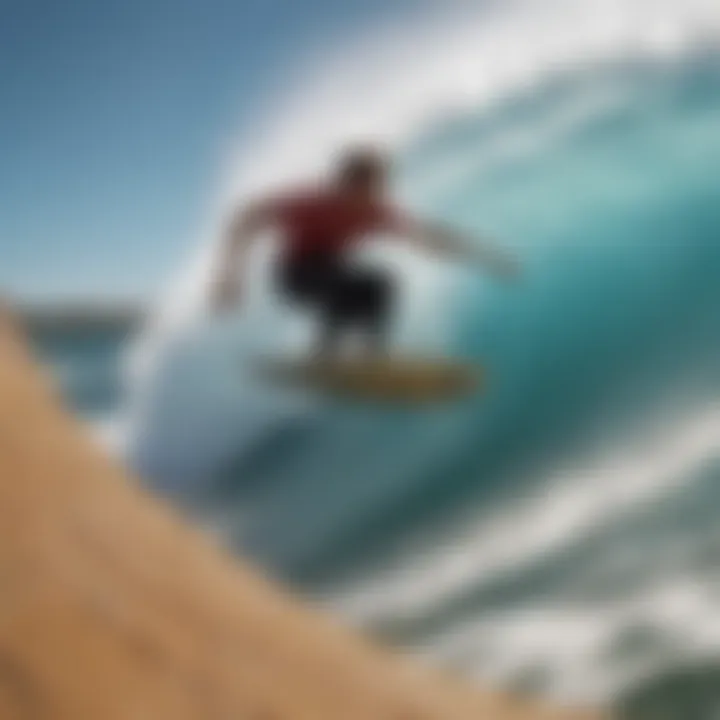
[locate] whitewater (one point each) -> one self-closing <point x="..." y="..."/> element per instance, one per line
<point x="559" y="532"/>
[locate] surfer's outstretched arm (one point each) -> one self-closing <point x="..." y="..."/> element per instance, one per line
<point x="444" y="240"/>
<point x="242" y="230"/>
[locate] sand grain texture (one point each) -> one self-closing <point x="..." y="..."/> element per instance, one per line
<point x="113" y="608"/>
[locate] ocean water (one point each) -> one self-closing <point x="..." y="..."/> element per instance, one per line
<point x="558" y="534"/>
<point x="86" y="365"/>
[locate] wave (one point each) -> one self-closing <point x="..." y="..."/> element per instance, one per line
<point x="484" y="531"/>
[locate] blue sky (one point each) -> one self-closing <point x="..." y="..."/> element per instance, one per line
<point x="112" y="119"/>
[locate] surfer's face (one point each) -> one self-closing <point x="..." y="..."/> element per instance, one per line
<point x="369" y="188"/>
<point x="364" y="176"/>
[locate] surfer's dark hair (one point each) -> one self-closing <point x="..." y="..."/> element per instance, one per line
<point x="362" y="165"/>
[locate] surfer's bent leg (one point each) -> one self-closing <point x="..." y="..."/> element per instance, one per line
<point x="363" y="300"/>
<point x="345" y="298"/>
<point x="379" y="292"/>
<point x="313" y="281"/>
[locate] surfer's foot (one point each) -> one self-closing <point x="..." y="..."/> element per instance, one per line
<point x="377" y="347"/>
<point x="325" y="354"/>
<point x="372" y="345"/>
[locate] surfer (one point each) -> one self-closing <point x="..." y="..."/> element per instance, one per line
<point x="320" y="226"/>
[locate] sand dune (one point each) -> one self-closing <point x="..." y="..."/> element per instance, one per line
<point x="113" y="608"/>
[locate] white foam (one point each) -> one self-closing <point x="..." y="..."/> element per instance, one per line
<point x="571" y="503"/>
<point x="578" y="647"/>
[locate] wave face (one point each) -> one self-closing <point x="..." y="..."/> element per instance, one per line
<point x="559" y="532"/>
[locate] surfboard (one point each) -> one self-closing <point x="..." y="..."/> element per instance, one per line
<point x="404" y="380"/>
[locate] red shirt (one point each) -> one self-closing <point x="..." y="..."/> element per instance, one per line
<point x="328" y="223"/>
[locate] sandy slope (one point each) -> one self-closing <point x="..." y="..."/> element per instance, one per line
<point x="111" y="607"/>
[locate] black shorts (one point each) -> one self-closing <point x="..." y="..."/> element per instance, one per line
<point x="341" y="293"/>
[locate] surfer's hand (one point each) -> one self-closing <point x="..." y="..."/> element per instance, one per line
<point x="507" y="267"/>
<point x="225" y="294"/>
<point x="498" y="264"/>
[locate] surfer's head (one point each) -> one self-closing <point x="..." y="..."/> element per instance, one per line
<point x="363" y="171"/>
